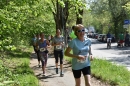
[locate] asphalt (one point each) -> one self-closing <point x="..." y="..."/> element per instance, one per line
<point x="122" y="58"/>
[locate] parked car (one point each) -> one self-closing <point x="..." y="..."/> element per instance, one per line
<point x="100" y="37"/>
<point x="95" y="35"/>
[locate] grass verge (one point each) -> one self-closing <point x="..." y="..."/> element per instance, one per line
<point x="15" y="69"/>
<point x="109" y="72"/>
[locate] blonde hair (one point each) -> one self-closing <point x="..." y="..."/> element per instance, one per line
<point x="77" y="27"/>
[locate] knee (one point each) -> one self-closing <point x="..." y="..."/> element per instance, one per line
<point x="61" y="61"/>
<point x="88" y="84"/>
<point x="56" y="60"/>
<point x="77" y="84"/>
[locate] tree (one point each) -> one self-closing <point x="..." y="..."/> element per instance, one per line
<point x="118" y="14"/>
<point x="113" y="13"/>
<point x="60" y="10"/>
<point x="20" y="19"/>
<point x="99" y="15"/>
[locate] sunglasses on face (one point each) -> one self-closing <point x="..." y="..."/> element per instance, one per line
<point x="80" y="30"/>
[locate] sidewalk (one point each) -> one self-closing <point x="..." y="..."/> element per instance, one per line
<point x="53" y="79"/>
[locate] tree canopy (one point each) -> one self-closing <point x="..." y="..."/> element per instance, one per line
<point x="21" y="19"/>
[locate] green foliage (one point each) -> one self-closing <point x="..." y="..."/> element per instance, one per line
<point x="99" y="16"/>
<point x="108" y="15"/>
<point x="127" y="7"/>
<point x="15" y="70"/>
<point x="20" y="19"/>
<point x="112" y="73"/>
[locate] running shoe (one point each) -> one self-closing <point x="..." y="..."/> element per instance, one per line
<point x="61" y="74"/>
<point x="56" y="70"/>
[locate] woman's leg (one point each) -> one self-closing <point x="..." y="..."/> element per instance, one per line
<point x="77" y="75"/>
<point x="77" y="81"/>
<point x="61" y="61"/>
<point x="56" y="60"/>
<point x="43" y="66"/>
<point x="86" y="72"/>
<point x="34" y="48"/>
<point x="45" y="62"/>
<point x="87" y="79"/>
<point x="38" y="57"/>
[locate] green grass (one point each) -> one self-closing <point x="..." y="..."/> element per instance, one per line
<point x="15" y="69"/>
<point x="109" y="72"/>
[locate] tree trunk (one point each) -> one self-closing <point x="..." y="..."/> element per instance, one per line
<point x="60" y="17"/>
<point x="79" y="19"/>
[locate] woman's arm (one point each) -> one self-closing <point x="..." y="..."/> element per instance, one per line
<point x="53" y="44"/>
<point x="67" y="53"/>
<point x="90" y="52"/>
<point x="36" y="44"/>
<point x="48" y="44"/>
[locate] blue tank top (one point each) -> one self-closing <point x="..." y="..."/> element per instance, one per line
<point x="42" y="44"/>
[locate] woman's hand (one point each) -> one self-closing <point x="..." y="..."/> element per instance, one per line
<point x="48" y="46"/>
<point x="62" y="44"/>
<point x="58" y="43"/>
<point x="91" y="57"/>
<point x="81" y="57"/>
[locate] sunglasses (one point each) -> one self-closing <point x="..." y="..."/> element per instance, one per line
<point x="80" y="30"/>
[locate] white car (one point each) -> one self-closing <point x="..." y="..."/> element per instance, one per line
<point x="99" y="38"/>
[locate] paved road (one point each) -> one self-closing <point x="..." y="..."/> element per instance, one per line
<point x="115" y="54"/>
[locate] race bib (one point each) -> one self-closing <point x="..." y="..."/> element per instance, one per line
<point x="42" y="49"/>
<point x="58" y="47"/>
<point x="82" y="61"/>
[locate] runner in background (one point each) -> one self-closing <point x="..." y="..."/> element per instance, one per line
<point x="109" y="38"/>
<point x="42" y="46"/>
<point x="121" y="39"/>
<point x="58" y="44"/>
<point x="37" y="50"/>
<point x="33" y="41"/>
<point x="127" y="38"/>
<point x="72" y="35"/>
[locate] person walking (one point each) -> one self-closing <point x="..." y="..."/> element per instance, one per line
<point x="127" y="37"/>
<point x="42" y="46"/>
<point x="33" y="41"/>
<point x="121" y="39"/>
<point x="81" y="56"/>
<point x="37" y="50"/>
<point x="72" y="35"/>
<point x="109" y="38"/>
<point x="58" y="44"/>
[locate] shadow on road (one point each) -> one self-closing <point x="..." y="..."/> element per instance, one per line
<point x="121" y="60"/>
